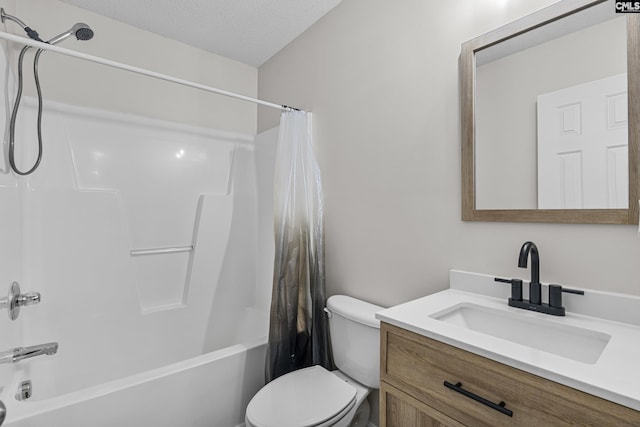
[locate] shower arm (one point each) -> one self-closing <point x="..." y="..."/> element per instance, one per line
<point x="30" y="32"/>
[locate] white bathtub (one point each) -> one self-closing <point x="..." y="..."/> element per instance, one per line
<point x="211" y="390"/>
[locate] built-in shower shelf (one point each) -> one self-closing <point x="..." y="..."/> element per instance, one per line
<point x="163" y="276"/>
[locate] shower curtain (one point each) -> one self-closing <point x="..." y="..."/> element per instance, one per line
<point x="298" y="329"/>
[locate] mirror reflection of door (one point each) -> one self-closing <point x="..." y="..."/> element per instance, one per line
<point x="510" y="75"/>
<point x="582" y="146"/>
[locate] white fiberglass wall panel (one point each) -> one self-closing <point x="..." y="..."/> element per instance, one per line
<point x="110" y="184"/>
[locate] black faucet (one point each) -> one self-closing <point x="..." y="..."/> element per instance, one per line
<point x="534" y="286"/>
<point x="534" y="303"/>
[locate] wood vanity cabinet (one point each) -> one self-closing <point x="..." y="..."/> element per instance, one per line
<point x="414" y="369"/>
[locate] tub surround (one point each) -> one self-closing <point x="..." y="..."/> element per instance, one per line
<point x="112" y="184"/>
<point x="612" y="376"/>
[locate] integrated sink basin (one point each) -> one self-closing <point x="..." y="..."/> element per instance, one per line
<point x="579" y="344"/>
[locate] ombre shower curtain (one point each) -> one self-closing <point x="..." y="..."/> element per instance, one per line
<point x="298" y="329"/>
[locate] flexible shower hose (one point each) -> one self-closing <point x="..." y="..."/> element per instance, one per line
<point x="14" y="113"/>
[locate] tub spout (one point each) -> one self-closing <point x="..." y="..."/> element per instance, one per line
<point x="19" y="353"/>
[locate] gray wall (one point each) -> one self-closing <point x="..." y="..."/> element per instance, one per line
<point x="381" y="78"/>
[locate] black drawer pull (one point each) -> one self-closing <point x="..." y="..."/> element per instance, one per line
<point x="498" y="407"/>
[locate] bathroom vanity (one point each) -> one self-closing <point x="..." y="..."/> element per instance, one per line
<point x="412" y="391"/>
<point x="437" y="370"/>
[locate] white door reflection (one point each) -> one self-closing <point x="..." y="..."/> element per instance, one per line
<point x="582" y="146"/>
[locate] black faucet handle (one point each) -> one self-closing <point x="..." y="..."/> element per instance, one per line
<point x="572" y="291"/>
<point x="555" y="295"/>
<point x="516" y="287"/>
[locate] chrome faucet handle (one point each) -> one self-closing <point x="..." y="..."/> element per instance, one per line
<point x="30" y="298"/>
<point x="15" y="300"/>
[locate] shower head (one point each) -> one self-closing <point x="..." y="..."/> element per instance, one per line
<point x="80" y="30"/>
<point x="83" y="32"/>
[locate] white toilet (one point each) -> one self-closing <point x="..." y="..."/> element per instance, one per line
<point x="315" y="397"/>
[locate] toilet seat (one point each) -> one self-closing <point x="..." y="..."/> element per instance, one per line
<point x="310" y="397"/>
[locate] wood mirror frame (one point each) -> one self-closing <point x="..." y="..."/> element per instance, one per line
<point x="468" y="115"/>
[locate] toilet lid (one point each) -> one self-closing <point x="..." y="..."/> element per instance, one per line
<point x="304" y="398"/>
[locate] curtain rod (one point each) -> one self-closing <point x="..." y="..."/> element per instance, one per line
<point x="138" y="70"/>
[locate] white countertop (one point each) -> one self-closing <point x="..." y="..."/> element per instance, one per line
<point x="614" y="376"/>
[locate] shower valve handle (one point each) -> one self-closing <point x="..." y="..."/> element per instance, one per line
<point x="15" y="300"/>
<point x="29" y="298"/>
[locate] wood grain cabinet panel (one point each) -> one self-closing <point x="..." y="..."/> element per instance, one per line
<point x="417" y="367"/>
<point x="398" y="409"/>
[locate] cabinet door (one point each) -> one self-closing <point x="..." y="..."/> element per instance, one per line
<point x="398" y="409"/>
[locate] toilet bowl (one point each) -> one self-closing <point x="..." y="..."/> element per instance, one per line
<point x="316" y="397"/>
<point x="313" y="397"/>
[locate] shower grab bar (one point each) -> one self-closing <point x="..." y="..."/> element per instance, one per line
<point x="154" y="251"/>
<point x="20" y="353"/>
<point x="138" y="70"/>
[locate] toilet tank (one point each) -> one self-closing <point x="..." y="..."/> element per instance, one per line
<point x="355" y="338"/>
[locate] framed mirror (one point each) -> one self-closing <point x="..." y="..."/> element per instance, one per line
<point x="551" y="117"/>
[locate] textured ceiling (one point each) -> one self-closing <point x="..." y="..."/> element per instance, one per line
<point x="249" y="31"/>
